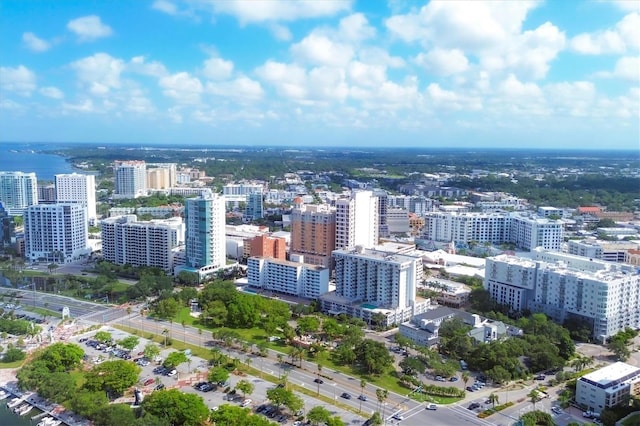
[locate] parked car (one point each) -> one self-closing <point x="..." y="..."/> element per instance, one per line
<point x="540" y="377"/>
<point x="172" y="373"/>
<point x="470" y="389"/>
<point x="159" y="386"/>
<point x="556" y="410"/>
<point x="453" y="379"/>
<point x="440" y="379"/>
<point x="149" y="381"/>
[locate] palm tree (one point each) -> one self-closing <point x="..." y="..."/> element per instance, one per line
<point x="200" y="334"/>
<point x="165" y="333"/>
<point x="363" y="384"/>
<point x="382" y="395"/>
<point x="534" y="395"/>
<point x="128" y="314"/>
<point x="493" y="399"/>
<point x="295" y="351"/>
<point x="184" y="331"/>
<point x="465" y="377"/>
<point x="319" y="371"/>
<point x="280" y="358"/>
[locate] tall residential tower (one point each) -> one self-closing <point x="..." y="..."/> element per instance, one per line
<point x="80" y="189"/>
<point x="18" y="191"/>
<point x="357" y="220"/>
<point x="131" y="179"/>
<point x="205" y="248"/>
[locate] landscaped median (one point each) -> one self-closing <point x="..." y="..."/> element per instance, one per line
<point x="490" y="411"/>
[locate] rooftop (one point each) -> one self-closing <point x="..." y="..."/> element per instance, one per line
<point x="606" y="376"/>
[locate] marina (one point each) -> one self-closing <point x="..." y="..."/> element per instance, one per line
<point x="21" y="405"/>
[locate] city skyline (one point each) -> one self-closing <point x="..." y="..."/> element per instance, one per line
<point x="313" y="73"/>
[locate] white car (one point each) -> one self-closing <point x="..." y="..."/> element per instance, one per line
<point x="172" y="373"/>
<point x="432" y="407"/>
<point x="247" y="402"/>
<point x="397" y="417"/>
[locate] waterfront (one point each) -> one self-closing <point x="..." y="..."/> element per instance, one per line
<point x="26" y="157"/>
<point x="8" y="418"/>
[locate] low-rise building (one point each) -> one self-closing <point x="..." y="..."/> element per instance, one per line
<point x="607" y="387"/>
<point x="286" y="277"/>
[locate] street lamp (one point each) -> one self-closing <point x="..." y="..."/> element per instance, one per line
<point x="334" y="391"/>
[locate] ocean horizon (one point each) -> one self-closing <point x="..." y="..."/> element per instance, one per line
<point x="28" y="158"/>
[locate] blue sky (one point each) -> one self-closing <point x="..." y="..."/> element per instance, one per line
<point x="562" y="74"/>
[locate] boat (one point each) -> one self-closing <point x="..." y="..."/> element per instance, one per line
<point x="14" y="402"/>
<point x="20" y="407"/>
<point x="3" y="395"/>
<point x="49" y="421"/>
<point x="55" y="422"/>
<point x="24" y="409"/>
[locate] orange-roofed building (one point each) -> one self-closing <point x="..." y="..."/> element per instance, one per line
<point x="265" y="246"/>
<point x="589" y="210"/>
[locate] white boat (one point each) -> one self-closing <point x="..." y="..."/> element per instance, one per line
<point x="20" y="407"/>
<point x="49" y="421"/>
<point x="55" y="423"/>
<point x="24" y="409"/>
<point x="14" y="402"/>
<point x="3" y="395"/>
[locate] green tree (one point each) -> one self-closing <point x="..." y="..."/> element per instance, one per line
<point x="619" y="348"/>
<point x="113" y="377"/>
<point x="318" y="415"/>
<point x="382" y="395"/>
<point x="374" y="356"/>
<point x="58" y="387"/>
<point x="114" y="415"/>
<point x="62" y="356"/>
<point x="493" y="399"/>
<point x="534" y="396"/>
<point x="335" y="421"/>
<point x="174" y="359"/>
<point x="245" y="387"/>
<point x="177" y="407"/>
<point x="13" y="354"/>
<point x="103" y="337"/>
<point x="129" y="342"/>
<point x="151" y="351"/>
<point x="167" y="308"/>
<point x="86" y="403"/>
<point x="308" y="324"/>
<point x="231" y="415"/>
<point x="218" y="375"/>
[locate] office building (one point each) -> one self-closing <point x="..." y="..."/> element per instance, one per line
<point x="283" y="276"/>
<point x="18" y="191"/>
<point x="205" y="248"/>
<point x="357" y="220"/>
<point x="266" y="246"/>
<point x="531" y="232"/>
<point x="55" y="233"/>
<point x="370" y="282"/>
<point x="313" y="232"/>
<point x="80" y="189"/>
<point x="127" y="241"/>
<point x="46" y="194"/>
<point x="607" y="387"/>
<point x="130" y="179"/>
<point x="254" y="209"/>
<point x="562" y="286"/>
<point x="7" y="227"/>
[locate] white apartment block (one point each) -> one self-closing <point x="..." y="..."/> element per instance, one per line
<point x="125" y="240"/>
<point x="205" y="247"/>
<point x="282" y="276"/>
<point x="130" y="179"/>
<point x="55" y="233"/>
<point x="18" y="191"/>
<point x="188" y="192"/>
<point x="419" y="205"/>
<point x="586" y="248"/>
<point x="78" y="189"/>
<point x="606" y="295"/>
<point x="496" y="228"/>
<point x="398" y="221"/>
<point x="607" y="387"/>
<point x="237" y="192"/>
<point x="370" y="281"/>
<point x="357" y="220"/>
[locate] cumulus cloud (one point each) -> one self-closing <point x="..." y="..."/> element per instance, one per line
<point x="289" y="80"/>
<point x="89" y="28"/>
<point x="20" y="80"/>
<point x="182" y="87"/>
<point x="51" y="92"/>
<point x="355" y="28"/>
<point x="217" y="69"/>
<point x="263" y="11"/>
<point x="165" y="7"/>
<point x="574" y="98"/>
<point x="318" y="49"/>
<point x="139" y="65"/>
<point x="443" y="61"/>
<point x="100" y="72"/>
<point x="34" y="43"/>
<point x="625" y="35"/>
<point x="241" y="89"/>
<point x="280" y="32"/>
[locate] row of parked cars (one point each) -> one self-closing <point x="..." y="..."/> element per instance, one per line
<point x="272" y="412"/>
<point x="164" y="371"/>
<point x="106" y="348"/>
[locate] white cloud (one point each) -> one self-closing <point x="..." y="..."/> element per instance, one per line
<point x="20" y="80"/>
<point x="139" y="104"/>
<point x="100" y="72"/>
<point x="626" y="5"/>
<point x="184" y="88"/>
<point x="217" y="69"/>
<point x="624" y="36"/>
<point x="513" y="88"/>
<point x="366" y="75"/>
<point x="85" y="106"/>
<point x="327" y="84"/>
<point x="628" y="68"/>
<point x="242" y="89"/>
<point x="165" y="6"/>
<point x="271" y="10"/>
<point x="318" y="49"/>
<point x="33" y="42"/>
<point x="89" y="28"/>
<point x="280" y="32"/>
<point x="51" y="92"/>
<point x="138" y="65"/>
<point x="355" y="28"/>
<point x="378" y="56"/>
<point x="574" y="98"/>
<point x="288" y="79"/>
<point x="443" y="61"/>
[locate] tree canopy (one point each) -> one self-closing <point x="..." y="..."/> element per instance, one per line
<point x="178" y="408"/>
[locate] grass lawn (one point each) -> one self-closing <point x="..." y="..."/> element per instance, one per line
<point x="42" y="311"/>
<point x="14" y="364"/>
<point x="632" y="420"/>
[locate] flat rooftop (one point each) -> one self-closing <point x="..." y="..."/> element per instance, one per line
<point x="606" y="376"/>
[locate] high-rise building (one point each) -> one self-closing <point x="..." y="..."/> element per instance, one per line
<point x="254" y="209"/>
<point x="266" y="246"/>
<point x="313" y="233"/>
<point x="78" y="189"/>
<point x="283" y="276"/>
<point x="46" y="194"/>
<point x="7" y="227"/>
<point x="205" y="249"/>
<point x="55" y="233"/>
<point x="130" y="179"/>
<point x="18" y="191"/>
<point x="158" y="179"/>
<point x="370" y="281"/>
<point x="125" y="240"/>
<point x="604" y="295"/>
<point x="357" y="220"/>
<point x="169" y="178"/>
